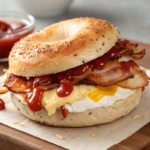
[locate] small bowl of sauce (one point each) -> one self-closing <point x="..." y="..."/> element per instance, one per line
<point x="13" y="27"/>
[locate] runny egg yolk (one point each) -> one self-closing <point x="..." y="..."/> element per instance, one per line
<point x="100" y="92"/>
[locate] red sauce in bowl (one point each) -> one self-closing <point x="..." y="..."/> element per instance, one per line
<point x="11" y="32"/>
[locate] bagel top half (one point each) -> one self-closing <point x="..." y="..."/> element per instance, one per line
<point x="62" y="46"/>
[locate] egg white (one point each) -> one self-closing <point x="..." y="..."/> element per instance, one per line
<point x="87" y="103"/>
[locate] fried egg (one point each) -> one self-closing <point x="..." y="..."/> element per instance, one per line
<point x="83" y="97"/>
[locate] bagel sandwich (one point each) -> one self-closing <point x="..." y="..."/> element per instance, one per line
<point x="75" y="73"/>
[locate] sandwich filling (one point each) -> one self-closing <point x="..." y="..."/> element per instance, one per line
<point x="104" y="71"/>
<point x="82" y="98"/>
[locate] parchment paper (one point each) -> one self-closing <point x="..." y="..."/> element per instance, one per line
<point x="106" y="136"/>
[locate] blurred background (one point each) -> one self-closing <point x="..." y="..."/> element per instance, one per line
<point x="132" y="17"/>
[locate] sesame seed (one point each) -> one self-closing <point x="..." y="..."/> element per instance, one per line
<point x="75" y="54"/>
<point x="59" y="136"/>
<point x="83" y="61"/>
<point x="103" y="35"/>
<point x="96" y="39"/>
<point x="103" y="44"/>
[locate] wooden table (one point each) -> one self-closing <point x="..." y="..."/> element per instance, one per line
<point x="12" y="139"/>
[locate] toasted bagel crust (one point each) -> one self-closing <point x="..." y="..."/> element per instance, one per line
<point x="91" y="117"/>
<point x="62" y="46"/>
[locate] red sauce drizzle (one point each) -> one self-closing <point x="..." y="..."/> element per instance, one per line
<point x="80" y="70"/>
<point x="64" y="89"/>
<point x="66" y="78"/>
<point x="143" y="88"/>
<point x="124" y="42"/>
<point x="2" y="104"/>
<point x="64" y="111"/>
<point x="99" y="63"/>
<point x="43" y="80"/>
<point x="34" y="99"/>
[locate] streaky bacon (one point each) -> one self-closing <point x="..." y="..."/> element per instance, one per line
<point x="133" y="52"/>
<point x="117" y="75"/>
<point x="140" y="80"/>
<point x="18" y="84"/>
<point x="115" y="72"/>
<point x="137" y="78"/>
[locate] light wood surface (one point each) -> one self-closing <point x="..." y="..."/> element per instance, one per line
<point x="12" y="139"/>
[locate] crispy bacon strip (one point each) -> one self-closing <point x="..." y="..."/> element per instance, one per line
<point x="18" y="84"/>
<point x="22" y="85"/>
<point x="122" y="71"/>
<point x="140" y="80"/>
<point x="115" y="72"/>
<point x="133" y="52"/>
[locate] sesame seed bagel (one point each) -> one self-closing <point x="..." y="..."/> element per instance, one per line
<point x="62" y="46"/>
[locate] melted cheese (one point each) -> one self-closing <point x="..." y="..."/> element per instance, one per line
<point x="51" y="101"/>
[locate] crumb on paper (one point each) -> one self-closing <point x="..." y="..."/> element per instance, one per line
<point x="145" y="115"/>
<point x="15" y="122"/>
<point x="21" y="124"/>
<point x="93" y="135"/>
<point x="59" y="136"/>
<point x="99" y="126"/>
<point x="134" y="117"/>
<point x="71" y="136"/>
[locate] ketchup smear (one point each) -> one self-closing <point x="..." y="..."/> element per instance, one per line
<point x="2" y="104"/>
<point x="8" y="37"/>
<point x="143" y="88"/>
<point x="64" y="111"/>
<point x="34" y="99"/>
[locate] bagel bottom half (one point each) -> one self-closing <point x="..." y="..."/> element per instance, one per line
<point x="91" y="117"/>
